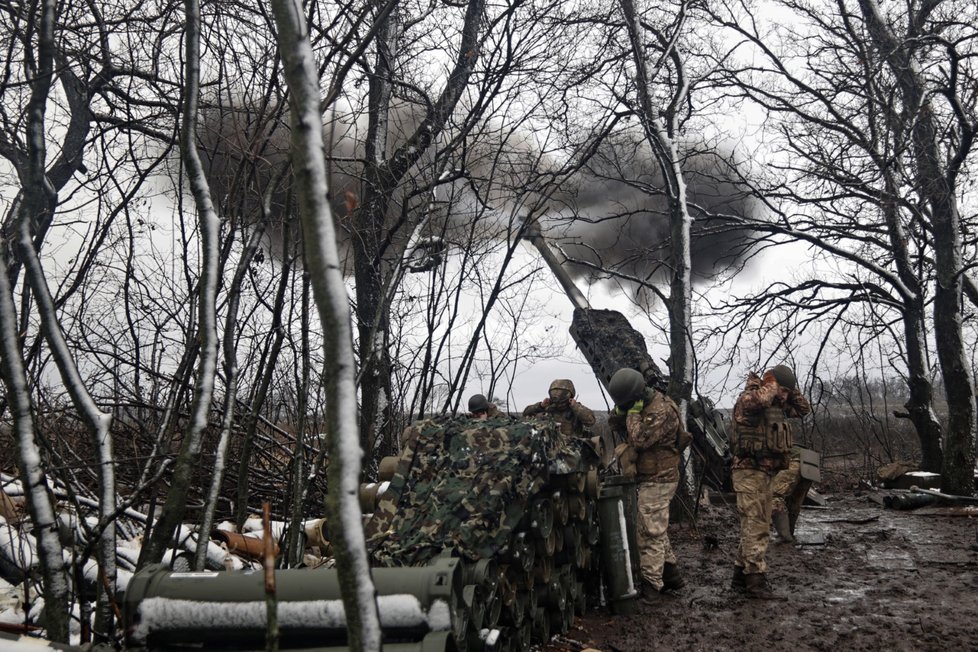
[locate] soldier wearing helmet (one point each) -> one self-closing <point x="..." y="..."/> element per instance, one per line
<point x="650" y="423"/>
<point x="572" y="417"/>
<point x="761" y="442"/>
<point x="480" y="408"/>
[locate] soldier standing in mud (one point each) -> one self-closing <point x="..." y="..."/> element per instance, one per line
<point x="480" y="408"/>
<point x="651" y="424"/>
<point x="572" y="417"/>
<point x="761" y="442"/>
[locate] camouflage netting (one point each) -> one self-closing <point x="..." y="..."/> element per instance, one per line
<point x="465" y="484"/>
<point x="609" y="343"/>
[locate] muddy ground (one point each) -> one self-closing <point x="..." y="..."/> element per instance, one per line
<point x="861" y="578"/>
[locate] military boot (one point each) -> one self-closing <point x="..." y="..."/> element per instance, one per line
<point x="672" y="580"/>
<point x="738" y="582"/>
<point x="648" y="592"/>
<point x="757" y="587"/>
<point x="782" y="525"/>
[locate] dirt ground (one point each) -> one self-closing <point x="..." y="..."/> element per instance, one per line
<point x="861" y="578"/>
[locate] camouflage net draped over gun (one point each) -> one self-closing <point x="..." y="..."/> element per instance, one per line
<point x="466" y="484"/>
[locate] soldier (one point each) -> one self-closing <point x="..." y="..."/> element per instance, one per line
<point x="574" y="418"/>
<point x="650" y="422"/>
<point x="761" y="442"/>
<point x="480" y="408"/>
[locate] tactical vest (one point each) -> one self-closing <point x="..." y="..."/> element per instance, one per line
<point x="770" y="436"/>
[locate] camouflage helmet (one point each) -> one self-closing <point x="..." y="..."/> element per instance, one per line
<point x="565" y="384"/>
<point x="626" y="385"/>
<point x="478" y="403"/>
<point x="784" y="375"/>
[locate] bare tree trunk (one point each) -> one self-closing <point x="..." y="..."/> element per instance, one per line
<point x="920" y="404"/>
<point x="54" y="578"/>
<point x="176" y="500"/>
<point x="660" y="126"/>
<point x="297" y="475"/>
<point x="373" y="322"/>
<point x="37" y="202"/>
<point x="264" y="384"/>
<point x="382" y="174"/>
<point x="98" y="422"/>
<point x="935" y="185"/>
<point x="661" y="138"/>
<point x="231" y="381"/>
<point x="323" y="263"/>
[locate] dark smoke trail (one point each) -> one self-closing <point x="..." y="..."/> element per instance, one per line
<point x="615" y="220"/>
<point x="611" y="216"/>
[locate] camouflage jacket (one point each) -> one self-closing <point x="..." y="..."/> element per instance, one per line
<point x="574" y="419"/>
<point x="653" y="427"/>
<point x="756" y="399"/>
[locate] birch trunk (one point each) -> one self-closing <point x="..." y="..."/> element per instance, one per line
<point x="231" y="376"/>
<point x="97" y="421"/>
<point x="175" y="506"/>
<point x="323" y="264"/>
<point x="53" y="572"/>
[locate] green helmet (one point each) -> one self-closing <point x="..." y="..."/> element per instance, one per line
<point x="563" y="383"/>
<point x="478" y="403"/>
<point x="626" y="385"/>
<point x="784" y="375"/>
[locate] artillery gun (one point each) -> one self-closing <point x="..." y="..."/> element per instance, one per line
<point x="609" y="343"/>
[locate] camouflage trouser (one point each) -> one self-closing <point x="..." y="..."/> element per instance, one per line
<point x="785" y="483"/>
<point x="753" y="489"/>
<point x="653" y="529"/>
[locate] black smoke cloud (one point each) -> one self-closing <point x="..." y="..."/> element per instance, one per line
<point x="611" y="216"/>
<point x="246" y="145"/>
<point x="613" y="219"/>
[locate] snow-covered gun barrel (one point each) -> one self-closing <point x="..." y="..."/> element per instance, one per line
<point x="226" y="610"/>
<point x="609" y="343"/>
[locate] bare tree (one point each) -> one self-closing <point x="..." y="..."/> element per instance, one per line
<point x="662" y="124"/>
<point x="939" y="147"/>
<point x="845" y="150"/>
<point x="384" y="169"/>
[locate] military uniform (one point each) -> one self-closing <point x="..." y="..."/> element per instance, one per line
<point x="572" y="417"/>
<point x="761" y="444"/>
<point x="654" y="432"/>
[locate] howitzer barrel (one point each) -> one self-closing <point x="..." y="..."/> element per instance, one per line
<point x="554" y="263"/>
<point x="609" y="343"/>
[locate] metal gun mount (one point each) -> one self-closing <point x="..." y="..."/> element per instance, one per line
<point x="609" y="343"/>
